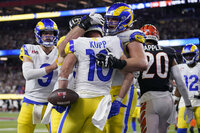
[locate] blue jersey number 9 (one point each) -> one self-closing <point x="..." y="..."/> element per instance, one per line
<point x="100" y="75"/>
<point x="49" y="76"/>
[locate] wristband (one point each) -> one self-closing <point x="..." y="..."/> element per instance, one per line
<point x="118" y="63"/>
<point x="62" y="78"/>
<point x="119" y="99"/>
<point x="188" y="106"/>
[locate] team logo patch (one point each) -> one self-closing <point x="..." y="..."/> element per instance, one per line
<point x="35" y="52"/>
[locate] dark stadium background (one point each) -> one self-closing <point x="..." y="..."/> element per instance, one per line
<point x="173" y="22"/>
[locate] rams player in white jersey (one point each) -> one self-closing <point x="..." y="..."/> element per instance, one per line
<point x="92" y="83"/>
<point x="39" y="69"/>
<point x="53" y="114"/>
<point x="118" y="20"/>
<point x="190" y="71"/>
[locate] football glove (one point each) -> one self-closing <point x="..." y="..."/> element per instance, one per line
<point x="91" y="19"/>
<point x="115" y="108"/>
<point x="188" y="113"/>
<point x="59" y="109"/>
<point x="109" y="61"/>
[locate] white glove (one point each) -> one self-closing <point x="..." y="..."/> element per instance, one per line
<point x="96" y="18"/>
<point x="188" y="113"/>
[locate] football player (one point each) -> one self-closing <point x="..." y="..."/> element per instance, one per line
<point x="53" y="114"/>
<point x="118" y="20"/>
<point x="39" y="69"/>
<point x="92" y="83"/>
<point x="190" y="73"/>
<point x="157" y="105"/>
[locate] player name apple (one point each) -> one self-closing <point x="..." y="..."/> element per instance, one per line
<point x="152" y="48"/>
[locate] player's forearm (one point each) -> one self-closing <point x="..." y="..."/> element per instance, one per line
<point x="136" y="64"/>
<point x="177" y="93"/>
<point x="128" y="79"/>
<point x="51" y="67"/>
<point x="30" y="73"/>
<point x="180" y="84"/>
<point x="138" y="59"/>
<point x="66" y="69"/>
<point x="73" y="34"/>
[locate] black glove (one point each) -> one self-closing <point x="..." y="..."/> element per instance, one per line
<point x="109" y="61"/>
<point x="91" y="19"/>
<point x="197" y="96"/>
<point x="85" y="22"/>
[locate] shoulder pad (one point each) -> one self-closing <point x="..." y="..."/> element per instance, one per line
<point x="137" y="35"/>
<point x="69" y="48"/>
<point x="24" y="52"/>
<point x="60" y="40"/>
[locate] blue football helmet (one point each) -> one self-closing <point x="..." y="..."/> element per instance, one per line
<point x="46" y="25"/>
<point x="123" y="16"/>
<point x="190" y="54"/>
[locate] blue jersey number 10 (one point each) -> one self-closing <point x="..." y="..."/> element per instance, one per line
<point x="93" y="65"/>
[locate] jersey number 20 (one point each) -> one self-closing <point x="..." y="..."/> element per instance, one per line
<point x="157" y="60"/>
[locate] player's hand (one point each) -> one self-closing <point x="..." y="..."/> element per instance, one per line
<point x="109" y="61"/>
<point x="115" y="108"/>
<point x="188" y="113"/>
<point x="104" y="60"/>
<point x="91" y="19"/>
<point x="59" y="109"/>
<point x="54" y="65"/>
<point x="96" y="18"/>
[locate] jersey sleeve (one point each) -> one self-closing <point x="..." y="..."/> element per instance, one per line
<point x="24" y="52"/>
<point x="69" y="47"/>
<point x="139" y="36"/>
<point x="118" y="48"/>
<point x="60" y="40"/>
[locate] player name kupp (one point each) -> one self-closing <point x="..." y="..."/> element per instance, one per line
<point x="152" y="48"/>
<point x="95" y="44"/>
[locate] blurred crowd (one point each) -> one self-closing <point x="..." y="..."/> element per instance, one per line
<point x="178" y="29"/>
<point x="169" y="29"/>
<point x="11" y="82"/>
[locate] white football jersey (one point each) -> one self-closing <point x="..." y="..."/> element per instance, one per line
<point x="125" y="37"/>
<point x="39" y="89"/>
<point x="92" y="80"/>
<point x="191" y="76"/>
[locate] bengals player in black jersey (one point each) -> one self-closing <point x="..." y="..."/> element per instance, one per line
<point x="157" y="105"/>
